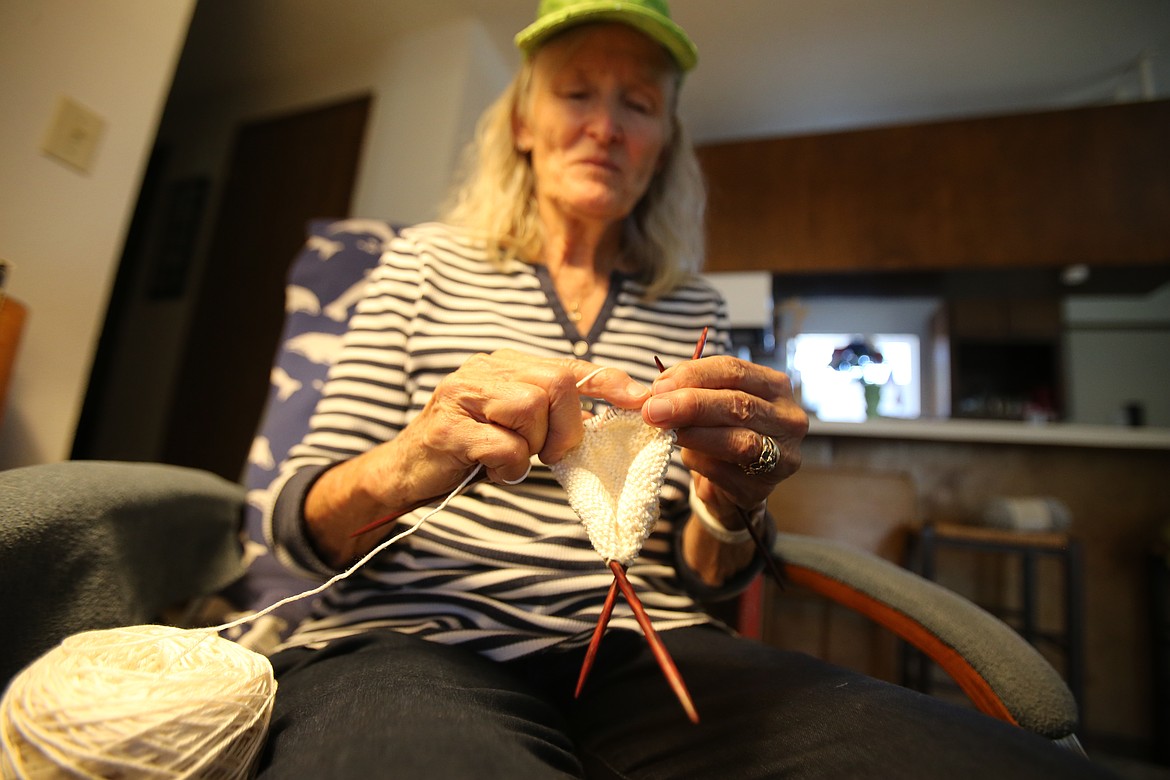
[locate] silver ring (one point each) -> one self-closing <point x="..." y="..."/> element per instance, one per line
<point x="769" y="457"/>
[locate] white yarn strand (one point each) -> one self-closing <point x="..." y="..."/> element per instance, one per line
<point x="361" y="562"/>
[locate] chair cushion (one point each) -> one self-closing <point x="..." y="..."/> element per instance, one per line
<point x="325" y="282"/>
<point x="93" y="544"/>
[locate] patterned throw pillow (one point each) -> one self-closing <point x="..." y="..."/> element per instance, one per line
<point x="324" y="284"/>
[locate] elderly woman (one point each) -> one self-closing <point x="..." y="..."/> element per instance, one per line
<point x="571" y="246"/>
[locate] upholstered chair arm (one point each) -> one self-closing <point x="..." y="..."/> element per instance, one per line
<point x="90" y="544"/>
<point x="1002" y="674"/>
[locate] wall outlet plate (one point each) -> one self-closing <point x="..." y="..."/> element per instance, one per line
<point x="73" y="134"/>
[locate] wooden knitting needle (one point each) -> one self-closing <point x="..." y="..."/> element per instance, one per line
<point x="699" y="346"/>
<point x="757" y="537"/>
<point x="607" y="608"/>
<point x="598" y="632"/>
<point x="761" y="545"/>
<point x="661" y="654"/>
<point x="381" y="521"/>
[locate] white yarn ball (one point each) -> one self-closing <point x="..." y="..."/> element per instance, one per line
<point x="138" y="702"/>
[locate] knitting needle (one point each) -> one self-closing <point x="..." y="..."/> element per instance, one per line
<point x="699" y="346"/>
<point x="761" y="545"/>
<point x="702" y="342"/>
<point x="365" y="529"/>
<point x="598" y="632"/>
<point x="661" y="654"/>
<point x="607" y="609"/>
<point x="757" y="537"/>
<point x="482" y="475"/>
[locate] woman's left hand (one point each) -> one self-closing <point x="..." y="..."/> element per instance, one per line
<point x="724" y="409"/>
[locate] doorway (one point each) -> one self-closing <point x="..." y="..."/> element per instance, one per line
<point x="284" y="171"/>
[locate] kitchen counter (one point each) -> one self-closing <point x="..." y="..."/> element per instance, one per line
<point x="1111" y="479"/>
<point x="995" y="431"/>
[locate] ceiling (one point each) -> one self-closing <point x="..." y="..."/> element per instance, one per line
<point x="769" y="67"/>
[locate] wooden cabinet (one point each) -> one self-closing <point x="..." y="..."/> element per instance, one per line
<point x="1086" y="185"/>
<point x="1007" y="319"/>
<point x="1002" y="358"/>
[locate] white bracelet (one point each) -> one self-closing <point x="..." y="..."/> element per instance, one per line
<point x="716" y="528"/>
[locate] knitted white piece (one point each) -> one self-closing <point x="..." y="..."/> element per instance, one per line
<point x="613" y="478"/>
<point x="138" y="702"/>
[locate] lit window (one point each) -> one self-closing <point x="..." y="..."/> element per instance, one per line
<point x="861" y="388"/>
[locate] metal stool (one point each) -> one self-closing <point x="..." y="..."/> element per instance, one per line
<point x="1028" y="548"/>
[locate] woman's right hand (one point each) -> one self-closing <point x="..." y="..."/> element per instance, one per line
<point x="496" y="410"/>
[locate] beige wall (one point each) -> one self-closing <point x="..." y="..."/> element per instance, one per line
<point x="61" y="229"/>
<point x="431" y="87"/>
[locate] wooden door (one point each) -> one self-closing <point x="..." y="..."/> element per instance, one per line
<point x="284" y="172"/>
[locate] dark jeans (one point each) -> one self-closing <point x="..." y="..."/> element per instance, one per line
<point x="386" y="705"/>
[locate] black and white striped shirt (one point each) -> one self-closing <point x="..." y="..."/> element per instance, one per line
<point x="505" y="570"/>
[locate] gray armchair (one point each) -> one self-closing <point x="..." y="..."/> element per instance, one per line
<point x="92" y="544"/>
<point x="88" y="545"/>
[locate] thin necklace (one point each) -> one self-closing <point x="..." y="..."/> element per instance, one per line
<point x="574" y="312"/>
<point x="574" y="309"/>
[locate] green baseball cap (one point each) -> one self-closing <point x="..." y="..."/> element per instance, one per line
<point x="650" y="16"/>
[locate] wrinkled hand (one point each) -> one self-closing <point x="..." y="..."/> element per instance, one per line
<point x="722" y="407"/>
<point x="499" y="410"/>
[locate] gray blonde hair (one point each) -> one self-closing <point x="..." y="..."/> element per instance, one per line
<point x="495" y="199"/>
